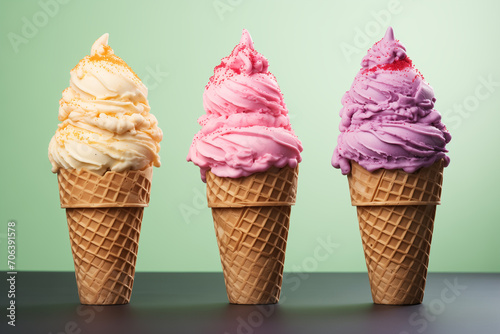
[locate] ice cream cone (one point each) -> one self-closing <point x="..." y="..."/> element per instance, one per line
<point x="251" y="218"/>
<point x="396" y="216"/>
<point x="104" y="216"/>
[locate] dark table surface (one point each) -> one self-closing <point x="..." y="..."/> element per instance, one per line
<point x="310" y="303"/>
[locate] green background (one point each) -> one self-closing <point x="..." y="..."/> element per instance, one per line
<point x="453" y="43"/>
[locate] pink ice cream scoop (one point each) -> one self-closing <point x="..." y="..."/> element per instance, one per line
<point x="388" y="115"/>
<point x="246" y="128"/>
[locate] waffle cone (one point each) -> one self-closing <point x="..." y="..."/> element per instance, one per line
<point x="396" y="213"/>
<point x="251" y="219"/>
<point x="104" y="215"/>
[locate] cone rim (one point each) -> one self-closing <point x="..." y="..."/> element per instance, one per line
<point x="242" y="203"/>
<point x="68" y="201"/>
<point x="395" y="203"/>
<point x="236" y="205"/>
<point x="357" y="202"/>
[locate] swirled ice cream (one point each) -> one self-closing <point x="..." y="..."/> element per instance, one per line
<point x="388" y="115"/>
<point x="246" y="128"/>
<point x="105" y="120"/>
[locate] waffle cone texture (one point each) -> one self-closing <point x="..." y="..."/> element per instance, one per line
<point x="396" y="213"/>
<point x="104" y="215"/>
<point x="251" y="219"/>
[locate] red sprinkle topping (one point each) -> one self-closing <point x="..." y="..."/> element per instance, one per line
<point x="399" y="65"/>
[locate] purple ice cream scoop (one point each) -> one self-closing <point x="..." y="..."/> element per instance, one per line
<point x="388" y="116"/>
